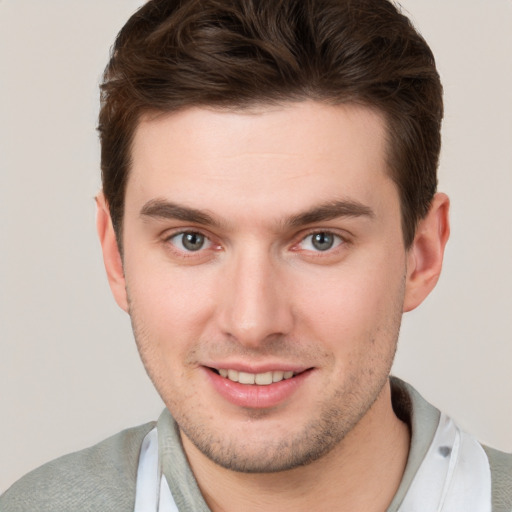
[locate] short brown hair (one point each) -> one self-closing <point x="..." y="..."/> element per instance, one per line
<point x="174" y="54"/>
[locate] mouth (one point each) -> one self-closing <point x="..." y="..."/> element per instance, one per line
<point x="263" y="389"/>
<point x="260" y="379"/>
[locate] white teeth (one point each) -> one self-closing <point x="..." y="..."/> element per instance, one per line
<point x="262" y="379"/>
<point x="277" y="376"/>
<point x="246" y="378"/>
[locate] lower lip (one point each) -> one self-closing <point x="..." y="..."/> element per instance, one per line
<point x="256" y="396"/>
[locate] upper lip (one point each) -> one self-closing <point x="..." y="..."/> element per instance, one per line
<point x="259" y="368"/>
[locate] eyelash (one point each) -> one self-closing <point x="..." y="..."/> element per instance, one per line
<point x="338" y="241"/>
<point x="182" y="234"/>
<point x="175" y="243"/>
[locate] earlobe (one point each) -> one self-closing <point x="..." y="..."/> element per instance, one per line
<point x="111" y="254"/>
<point x="425" y="256"/>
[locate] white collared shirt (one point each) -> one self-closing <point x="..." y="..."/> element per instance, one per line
<point x="454" y="476"/>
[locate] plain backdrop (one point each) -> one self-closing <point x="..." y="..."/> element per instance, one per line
<point x="69" y="370"/>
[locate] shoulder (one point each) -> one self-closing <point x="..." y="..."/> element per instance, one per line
<point x="501" y="474"/>
<point x="101" y="477"/>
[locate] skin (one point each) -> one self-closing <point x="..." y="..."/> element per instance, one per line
<point x="259" y="295"/>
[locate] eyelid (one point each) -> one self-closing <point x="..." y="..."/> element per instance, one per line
<point x="344" y="239"/>
<point x="172" y="232"/>
<point x="183" y="252"/>
<point x="207" y="241"/>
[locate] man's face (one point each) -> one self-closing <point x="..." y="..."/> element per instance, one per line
<point x="262" y="245"/>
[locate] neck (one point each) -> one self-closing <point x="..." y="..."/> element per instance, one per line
<point x="362" y="472"/>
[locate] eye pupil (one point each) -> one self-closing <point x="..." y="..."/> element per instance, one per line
<point x="193" y="241"/>
<point x="322" y="241"/>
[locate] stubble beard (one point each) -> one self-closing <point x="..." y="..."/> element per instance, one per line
<point x="339" y="414"/>
<point x="311" y="443"/>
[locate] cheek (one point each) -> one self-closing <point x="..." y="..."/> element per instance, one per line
<point x="355" y="305"/>
<point x="166" y="312"/>
<point x="168" y="295"/>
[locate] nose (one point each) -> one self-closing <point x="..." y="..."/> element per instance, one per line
<point x="255" y="305"/>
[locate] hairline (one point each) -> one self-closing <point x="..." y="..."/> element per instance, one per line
<point x="256" y="106"/>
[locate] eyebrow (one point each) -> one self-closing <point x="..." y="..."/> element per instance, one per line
<point x="162" y="209"/>
<point x="329" y="211"/>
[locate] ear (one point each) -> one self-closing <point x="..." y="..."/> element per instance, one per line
<point x="425" y="256"/>
<point x="111" y="254"/>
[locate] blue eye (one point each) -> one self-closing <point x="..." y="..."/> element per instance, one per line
<point x="321" y="241"/>
<point x="190" y="241"/>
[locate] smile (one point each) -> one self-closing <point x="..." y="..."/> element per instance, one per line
<point x="261" y="379"/>
<point x="257" y="389"/>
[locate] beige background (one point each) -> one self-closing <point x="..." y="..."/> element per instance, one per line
<point x="69" y="371"/>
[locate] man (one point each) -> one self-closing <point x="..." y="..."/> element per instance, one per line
<point x="269" y="211"/>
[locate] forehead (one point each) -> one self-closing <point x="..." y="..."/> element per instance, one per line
<point x="290" y="154"/>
